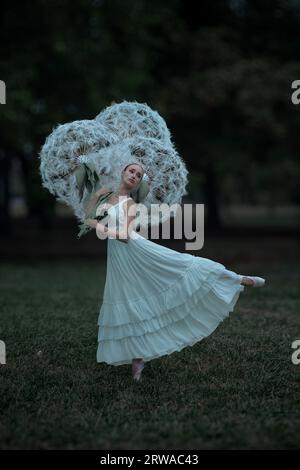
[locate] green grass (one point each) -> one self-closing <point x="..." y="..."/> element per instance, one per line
<point x="236" y="389"/>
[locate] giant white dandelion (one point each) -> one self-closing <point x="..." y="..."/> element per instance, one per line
<point x="122" y="133"/>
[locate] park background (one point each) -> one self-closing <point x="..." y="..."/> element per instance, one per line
<point x="220" y="73"/>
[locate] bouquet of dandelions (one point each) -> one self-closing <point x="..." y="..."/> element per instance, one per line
<point x="84" y="228"/>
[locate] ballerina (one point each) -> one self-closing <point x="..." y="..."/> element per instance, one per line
<point x="156" y="300"/>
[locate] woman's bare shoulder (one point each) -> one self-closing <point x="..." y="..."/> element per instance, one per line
<point x="101" y="191"/>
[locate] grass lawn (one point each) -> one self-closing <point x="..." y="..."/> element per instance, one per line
<point x="236" y="389"/>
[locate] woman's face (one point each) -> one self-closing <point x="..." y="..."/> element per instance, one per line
<point x="133" y="175"/>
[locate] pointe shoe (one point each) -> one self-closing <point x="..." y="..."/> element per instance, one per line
<point x="137" y="369"/>
<point x="257" y="281"/>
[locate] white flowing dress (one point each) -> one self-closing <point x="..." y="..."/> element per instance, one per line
<point x="157" y="300"/>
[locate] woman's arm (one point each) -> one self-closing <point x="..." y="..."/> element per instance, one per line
<point x="94" y="198"/>
<point x="119" y="235"/>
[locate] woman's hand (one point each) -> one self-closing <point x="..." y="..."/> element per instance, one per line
<point x="110" y="233"/>
<point x="91" y="222"/>
<point x="101" y="227"/>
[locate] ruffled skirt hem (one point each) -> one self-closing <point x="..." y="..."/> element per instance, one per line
<point x="180" y="316"/>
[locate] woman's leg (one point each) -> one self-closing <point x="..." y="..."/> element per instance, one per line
<point x="244" y="280"/>
<point x="233" y="275"/>
<point x="137" y="367"/>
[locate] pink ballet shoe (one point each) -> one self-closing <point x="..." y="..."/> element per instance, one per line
<point x="137" y="368"/>
<point x="257" y="281"/>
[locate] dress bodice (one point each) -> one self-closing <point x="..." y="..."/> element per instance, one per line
<point x="116" y="217"/>
<point x="115" y="214"/>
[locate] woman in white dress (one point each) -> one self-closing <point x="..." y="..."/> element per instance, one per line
<point x="156" y="300"/>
